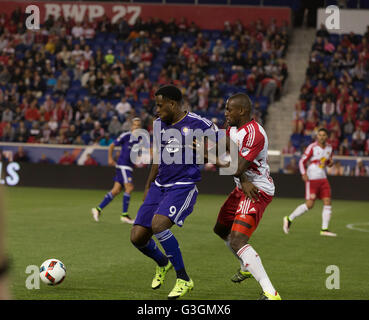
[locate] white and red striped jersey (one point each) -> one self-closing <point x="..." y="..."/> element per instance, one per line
<point x="252" y="144"/>
<point x="315" y="158"/>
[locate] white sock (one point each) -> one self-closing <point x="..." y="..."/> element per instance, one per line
<point x="301" y="209"/>
<point x="252" y="261"/>
<point x="243" y="268"/>
<point x="326" y="216"/>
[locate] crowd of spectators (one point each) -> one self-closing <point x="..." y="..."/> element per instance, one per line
<point x="335" y="95"/>
<point x="82" y="82"/>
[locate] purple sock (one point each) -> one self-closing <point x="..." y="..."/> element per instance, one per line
<point x="126" y="198"/>
<point x="107" y="199"/>
<point x="151" y="250"/>
<point x="171" y="248"/>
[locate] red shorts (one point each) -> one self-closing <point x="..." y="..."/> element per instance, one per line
<point x="317" y="189"/>
<point x="240" y="214"/>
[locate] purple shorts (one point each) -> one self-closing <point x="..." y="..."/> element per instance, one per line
<point x="175" y="202"/>
<point x="123" y="174"/>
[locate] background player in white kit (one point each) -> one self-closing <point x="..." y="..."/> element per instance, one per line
<point x="319" y="155"/>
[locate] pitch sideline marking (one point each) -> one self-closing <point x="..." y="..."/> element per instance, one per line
<point x="352" y="226"/>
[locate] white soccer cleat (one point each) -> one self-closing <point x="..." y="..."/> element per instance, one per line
<point x="327" y="233"/>
<point x="127" y="219"/>
<point x="95" y="214"/>
<point x="286" y="225"/>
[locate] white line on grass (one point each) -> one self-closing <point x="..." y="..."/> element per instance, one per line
<point x="352" y="226"/>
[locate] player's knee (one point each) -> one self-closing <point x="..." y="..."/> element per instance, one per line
<point x="116" y="190"/>
<point x="158" y="227"/>
<point x="137" y="239"/>
<point x="310" y="205"/>
<point x="237" y="241"/>
<point x="129" y="188"/>
<point x="160" y="223"/>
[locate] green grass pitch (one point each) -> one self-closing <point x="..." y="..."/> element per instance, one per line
<point x="102" y="263"/>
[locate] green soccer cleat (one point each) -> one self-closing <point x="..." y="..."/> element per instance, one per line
<point x="160" y="275"/>
<point x="268" y="296"/>
<point x="240" y="276"/>
<point x="180" y="289"/>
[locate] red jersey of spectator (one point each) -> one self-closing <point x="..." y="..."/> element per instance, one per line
<point x="32" y="114"/>
<point x="362" y="123"/>
<point x="334" y="126"/>
<point x="351" y="106"/>
<point x="66" y="158"/>
<point x="146" y="56"/>
<point x="320" y="89"/>
<point x="334" y="141"/>
<point x="90" y="161"/>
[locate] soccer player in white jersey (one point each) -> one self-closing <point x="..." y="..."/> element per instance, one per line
<point x="319" y="155"/>
<point x="242" y="211"/>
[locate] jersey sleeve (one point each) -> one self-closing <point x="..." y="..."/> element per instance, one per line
<point x="305" y="158"/>
<point x="124" y="137"/>
<point x="253" y="143"/>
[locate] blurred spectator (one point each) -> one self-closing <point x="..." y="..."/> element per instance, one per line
<point x="44" y="159"/>
<point x="292" y="167"/>
<point x="106" y="140"/>
<point x="78" y="141"/>
<point x="21" y="155"/>
<point x="289" y="149"/>
<point x="7" y="115"/>
<point x="360" y="169"/>
<point x="90" y="161"/>
<point x="358" y="141"/>
<point x="115" y="127"/>
<point x="66" y="159"/>
<point x="336" y="170"/>
<point x="123" y="107"/>
<point x="98" y="132"/>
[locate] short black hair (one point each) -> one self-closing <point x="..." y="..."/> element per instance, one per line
<point x="170" y="92"/>
<point x="243" y="100"/>
<point x="325" y="130"/>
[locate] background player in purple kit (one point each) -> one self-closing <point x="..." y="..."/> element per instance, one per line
<point x="170" y="192"/>
<point x="123" y="177"/>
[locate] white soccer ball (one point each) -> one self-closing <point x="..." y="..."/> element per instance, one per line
<point x="52" y="272"/>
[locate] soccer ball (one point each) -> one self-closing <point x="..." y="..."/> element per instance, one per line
<point x="52" y="272"/>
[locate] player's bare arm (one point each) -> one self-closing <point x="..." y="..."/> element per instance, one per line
<point x="249" y="189"/>
<point x="111" y="161"/>
<point x="214" y="150"/>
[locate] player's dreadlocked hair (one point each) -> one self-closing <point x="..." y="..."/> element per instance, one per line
<point x="170" y="92"/>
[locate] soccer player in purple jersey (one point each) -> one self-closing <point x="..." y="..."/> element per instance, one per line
<point x="124" y="169"/>
<point x="171" y="191"/>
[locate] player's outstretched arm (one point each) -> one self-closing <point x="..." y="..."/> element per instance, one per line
<point x="214" y="152"/>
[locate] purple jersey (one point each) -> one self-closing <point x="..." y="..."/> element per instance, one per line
<point x="126" y="140"/>
<point x="174" y="145"/>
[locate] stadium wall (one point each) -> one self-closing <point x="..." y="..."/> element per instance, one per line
<point x="205" y="16"/>
<point x="84" y="177"/>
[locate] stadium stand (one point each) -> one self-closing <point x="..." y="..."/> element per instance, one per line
<point x="335" y="94"/>
<point x="65" y="85"/>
